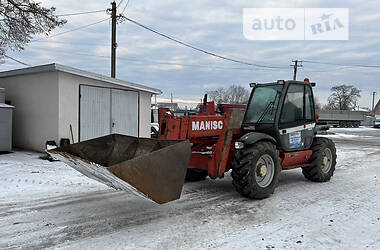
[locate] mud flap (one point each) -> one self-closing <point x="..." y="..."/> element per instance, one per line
<point x="150" y="168"/>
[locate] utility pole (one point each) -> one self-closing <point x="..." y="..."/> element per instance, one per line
<point x="296" y="65"/>
<point x="113" y="40"/>
<point x="171" y="97"/>
<point x="373" y="102"/>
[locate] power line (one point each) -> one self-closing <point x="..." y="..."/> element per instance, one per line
<point x="119" y="3"/>
<point x="200" y="49"/>
<point x="81" y="13"/>
<point x="75" y="43"/>
<point x="346" y="65"/>
<point x="68" y="31"/>
<point x="329" y="70"/>
<point x="152" y="62"/>
<point x="125" y="7"/>
<point x="18" y="61"/>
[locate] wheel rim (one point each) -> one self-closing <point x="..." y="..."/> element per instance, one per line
<point x="264" y="171"/>
<point x="326" y="160"/>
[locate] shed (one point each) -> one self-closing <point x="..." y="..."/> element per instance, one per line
<point x="5" y="127"/>
<point x="52" y="98"/>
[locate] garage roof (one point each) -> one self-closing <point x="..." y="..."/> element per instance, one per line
<point x="58" y="67"/>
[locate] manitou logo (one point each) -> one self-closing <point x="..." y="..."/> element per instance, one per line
<point x="207" y="125"/>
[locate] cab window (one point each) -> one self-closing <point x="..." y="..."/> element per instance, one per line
<point x="298" y="106"/>
<point x="293" y="109"/>
<point x="309" y="105"/>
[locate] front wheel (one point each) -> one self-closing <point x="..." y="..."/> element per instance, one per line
<point x="256" y="170"/>
<point x="322" y="162"/>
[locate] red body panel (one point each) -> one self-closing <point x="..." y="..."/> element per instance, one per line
<point x="295" y="159"/>
<point x="209" y="110"/>
<point x="224" y="107"/>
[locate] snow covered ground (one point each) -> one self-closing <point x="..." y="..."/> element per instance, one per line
<point x="50" y="205"/>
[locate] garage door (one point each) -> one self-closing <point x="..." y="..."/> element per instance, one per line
<point x="104" y="111"/>
<point x="124" y="112"/>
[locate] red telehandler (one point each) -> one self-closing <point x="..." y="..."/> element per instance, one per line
<point x="275" y="131"/>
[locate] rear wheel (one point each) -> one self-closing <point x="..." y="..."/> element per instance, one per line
<point x="322" y="161"/>
<point x="256" y="170"/>
<point x="194" y="174"/>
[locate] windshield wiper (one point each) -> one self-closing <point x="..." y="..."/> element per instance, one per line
<point x="265" y="112"/>
<point x="270" y="105"/>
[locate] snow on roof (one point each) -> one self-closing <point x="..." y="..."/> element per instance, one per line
<point x="3" y="105"/>
<point x="58" y="67"/>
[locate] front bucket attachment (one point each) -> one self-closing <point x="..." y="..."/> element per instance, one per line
<point x="151" y="168"/>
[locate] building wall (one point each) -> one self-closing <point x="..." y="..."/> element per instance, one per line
<point x="35" y="117"/>
<point x="145" y="114"/>
<point x="69" y="85"/>
<point x="47" y="103"/>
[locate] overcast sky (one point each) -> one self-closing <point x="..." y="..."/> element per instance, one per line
<point x="144" y="57"/>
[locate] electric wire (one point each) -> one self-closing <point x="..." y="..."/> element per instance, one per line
<point x="68" y="31"/>
<point x="200" y="49"/>
<point x="345" y="65"/>
<point x="75" y="43"/>
<point x="125" y="7"/>
<point x="18" y="61"/>
<point x="156" y="63"/>
<point x="328" y="70"/>
<point x="81" y="13"/>
<point x="119" y="3"/>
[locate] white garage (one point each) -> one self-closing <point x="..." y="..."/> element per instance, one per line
<point x="54" y="102"/>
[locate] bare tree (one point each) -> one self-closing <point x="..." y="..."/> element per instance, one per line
<point x="343" y="97"/>
<point x="317" y="104"/>
<point x="219" y="95"/>
<point x="21" y="19"/>
<point x="238" y="94"/>
<point x="235" y="94"/>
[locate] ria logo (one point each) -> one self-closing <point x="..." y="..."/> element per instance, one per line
<point x="206" y="125"/>
<point x="327" y="24"/>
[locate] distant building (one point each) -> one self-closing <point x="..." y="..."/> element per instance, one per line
<point x="377" y="108"/>
<point x="173" y="106"/>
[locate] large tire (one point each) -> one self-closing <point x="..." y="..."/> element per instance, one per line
<point x="194" y="174"/>
<point x="322" y="162"/>
<point x="256" y="170"/>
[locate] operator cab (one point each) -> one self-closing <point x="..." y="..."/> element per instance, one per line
<point x="284" y="110"/>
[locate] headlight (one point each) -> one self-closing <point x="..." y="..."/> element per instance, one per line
<point x="239" y="145"/>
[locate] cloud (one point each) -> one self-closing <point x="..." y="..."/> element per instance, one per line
<point x="216" y="26"/>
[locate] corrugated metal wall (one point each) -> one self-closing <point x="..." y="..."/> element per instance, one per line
<point x="124" y="115"/>
<point x="95" y="106"/>
<point x="2" y="95"/>
<point x="104" y="111"/>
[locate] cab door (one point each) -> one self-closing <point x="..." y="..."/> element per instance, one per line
<point x="297" y="118"/>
